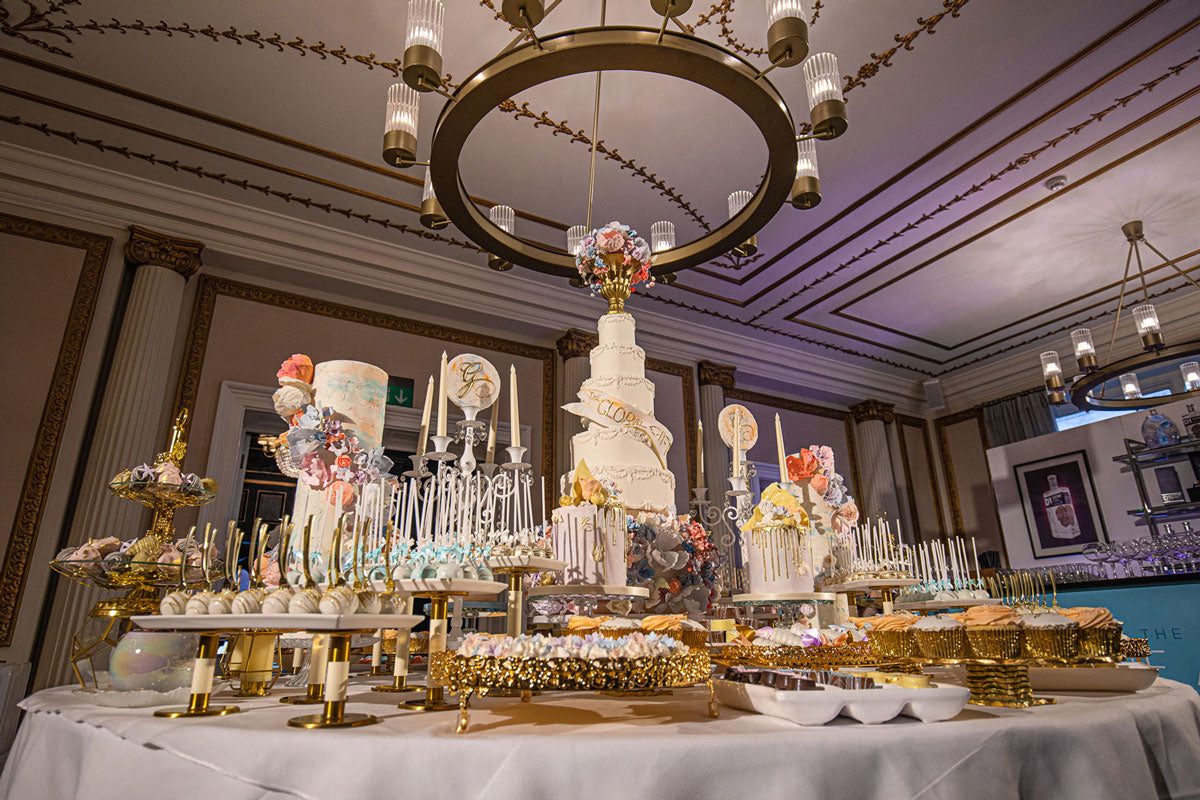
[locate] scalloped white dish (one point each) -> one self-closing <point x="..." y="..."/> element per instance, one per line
<point x="869" y="706"/>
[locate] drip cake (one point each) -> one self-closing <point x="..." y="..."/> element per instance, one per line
<point x="776" y="550"/>
<point x="588" y="532"/>
<point x="821" y="492"/>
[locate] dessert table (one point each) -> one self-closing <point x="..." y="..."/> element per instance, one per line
<point x="584" y="745"/>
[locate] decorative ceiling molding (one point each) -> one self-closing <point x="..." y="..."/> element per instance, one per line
<point x="160" y="250"/>
<point x="398" y="277"/>
<point x="903" y="41"/>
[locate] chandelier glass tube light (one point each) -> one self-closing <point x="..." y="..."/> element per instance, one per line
<point x="1089" y="389"/>
<point x="791" y="171"/>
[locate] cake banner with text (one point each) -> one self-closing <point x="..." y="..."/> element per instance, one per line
<point x="609" y="411"/>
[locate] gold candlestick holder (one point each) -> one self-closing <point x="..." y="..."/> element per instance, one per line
<point x="337" y="674"/>
<point x="202" y="680"/>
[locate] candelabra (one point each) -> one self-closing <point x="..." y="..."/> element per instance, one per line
<point x="724" y="522"/>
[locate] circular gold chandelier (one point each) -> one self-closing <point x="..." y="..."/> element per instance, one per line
<point x="790" y="176"/>
<point x="1088" y="390"/>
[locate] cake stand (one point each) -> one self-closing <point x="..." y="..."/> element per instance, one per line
<point x="588" y="596"/>
<point x="886" y="587"/>
<point x="927" y="606"/>
<point x="790" y="602"/>
<point x="338" y="628"/>
<point x="438" y="591"/>
<point x="515" y="568"/>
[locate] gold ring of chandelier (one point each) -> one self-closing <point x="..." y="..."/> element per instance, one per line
<point x="790" y="174"/>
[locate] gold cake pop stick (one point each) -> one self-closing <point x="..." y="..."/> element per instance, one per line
<point x="205" y="559"/>
<point x="357" y="555"/>
<point x="256" y="572"/>
<point x="183" y="558"/>
<point x="230" y="554"/>
<point x="335" y="566"/>
<point x="306" y="548"/>
<point x="255" y="534"/>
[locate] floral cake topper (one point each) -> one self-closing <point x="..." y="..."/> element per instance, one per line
<point x="611" y="239"/>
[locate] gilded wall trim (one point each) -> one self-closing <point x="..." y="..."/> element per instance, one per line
<point x="801" y="407"/>
<point x="40" y="470"/>
<point x="211" y="288"/>
<point x="687" y="375"/>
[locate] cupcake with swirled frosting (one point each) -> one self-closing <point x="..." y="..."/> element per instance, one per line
<point x="993" y="632"/>
<point x="890" y="636"/>
<point x="1099" y="633"/>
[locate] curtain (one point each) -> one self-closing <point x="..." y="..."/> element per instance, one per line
<point x="1018" y="417"/>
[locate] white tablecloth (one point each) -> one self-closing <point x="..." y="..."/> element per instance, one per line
<point x="582" y="746"/>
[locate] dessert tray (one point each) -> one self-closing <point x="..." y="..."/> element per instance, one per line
<point x="1098" y="677"/>
<point x="470" y="675"/>
<point x="276" y="622"/>
<point x="941" y="605"/>
<point x="525" y="563"/>
<point x="856" y="654"/>
<point x="821" y="705"/>
<point x="456" y="586"/>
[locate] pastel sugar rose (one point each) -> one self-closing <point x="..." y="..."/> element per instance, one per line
<point x="804" y="465"/>
<point x="299" y="367"/>
<point x="849" y="512"/>
<point x="819" y="483"/>
<point x="610" y="241"/>
<point x="313" y="471"/>
<point x="289" y="400"/>
<point x="168" y="473"/>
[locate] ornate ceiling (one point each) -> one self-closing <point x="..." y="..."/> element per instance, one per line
<point x="936" y="247"/>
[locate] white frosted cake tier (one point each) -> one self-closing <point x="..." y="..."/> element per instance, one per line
<point x="625" y="445"/>
<point x="618" y="359"/>
<point x="617" y="329"/>
<point x="591" y="540"/>
<point x="629" y="389"/>
<point x="358" y="393"/>
<point x="776" y="560"/>
<point x="642" y="488"/>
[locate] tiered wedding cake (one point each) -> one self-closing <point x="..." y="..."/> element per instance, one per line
<point x="621" y="458"/>
<point x="623" y="442"/>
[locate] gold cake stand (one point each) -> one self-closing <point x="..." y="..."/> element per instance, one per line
<point x="482" y="675"/>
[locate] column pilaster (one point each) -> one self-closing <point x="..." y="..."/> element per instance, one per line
<point x="878" y="494"/>
<point x="128" y="425"/>
<point x="573" y="347"/>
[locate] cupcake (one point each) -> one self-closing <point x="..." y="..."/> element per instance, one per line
<point x="1049" y="635"/>
<point x="993" y="632"/>
<point x="582" y="626"/>
<point x="939" y="637"/>
<point x="889" y="636"/>
<point x="664" y="625"/>
<point x="1099" y="633"/>
<point x="618" y="627"/>
<point x="694" y="634"/>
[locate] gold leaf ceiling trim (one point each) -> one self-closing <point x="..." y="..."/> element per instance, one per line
<point x="903" y="41"/>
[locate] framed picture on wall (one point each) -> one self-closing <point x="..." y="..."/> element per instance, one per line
<point x="1058" y="497"/>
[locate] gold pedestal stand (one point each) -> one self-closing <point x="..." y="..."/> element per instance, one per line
<point x="1000" y="683"/>
<point x="434" y="699"/>
<point x="202" y="679"/>
<point x="251" y="661"/>
<point x="315" y="692"/>
<point x="336" y="676"/>
<point x="399" y="682"/>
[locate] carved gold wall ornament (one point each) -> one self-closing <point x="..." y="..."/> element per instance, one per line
<point x="576" y="343"/>
<point x="872" y="409"/>
<point x="714" y="374"/>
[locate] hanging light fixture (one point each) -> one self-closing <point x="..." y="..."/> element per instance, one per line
<point x="400" y="129"/>
<point x="432" y="216"/>
<point x="662" y="236"/>
<point x="504" y="218"/>
<point x="422" y="65"/>
<point x="806" y="189"/>
<point x="1191" y="375"/>
<point x="737" y="201"/>
<point x="575" y="236"/>
<point x="1088" y="389"/>
<point x="791" y="173"/>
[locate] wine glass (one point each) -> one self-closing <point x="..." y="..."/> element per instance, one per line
<point x="1094" y="552"/>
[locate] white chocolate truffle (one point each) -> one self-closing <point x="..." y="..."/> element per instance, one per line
<point x="339" y="600"/>
<point x="277" y="602"/>
<point x="368" y="602"/>
<point x="198" y="604"/>
<point x="246" y="602"/>
<point x="174" y="603"/>
<point x="305" y="602"/>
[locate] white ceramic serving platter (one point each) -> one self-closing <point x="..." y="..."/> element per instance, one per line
<point x="538" y="563"/>
<point x="869" y="706"/>
<point x="281" y="622"/>
<point x="458" y="586"/>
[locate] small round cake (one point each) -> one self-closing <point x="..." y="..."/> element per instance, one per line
<point x="1049" y="635"/>
<point x="939" y="637"/>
